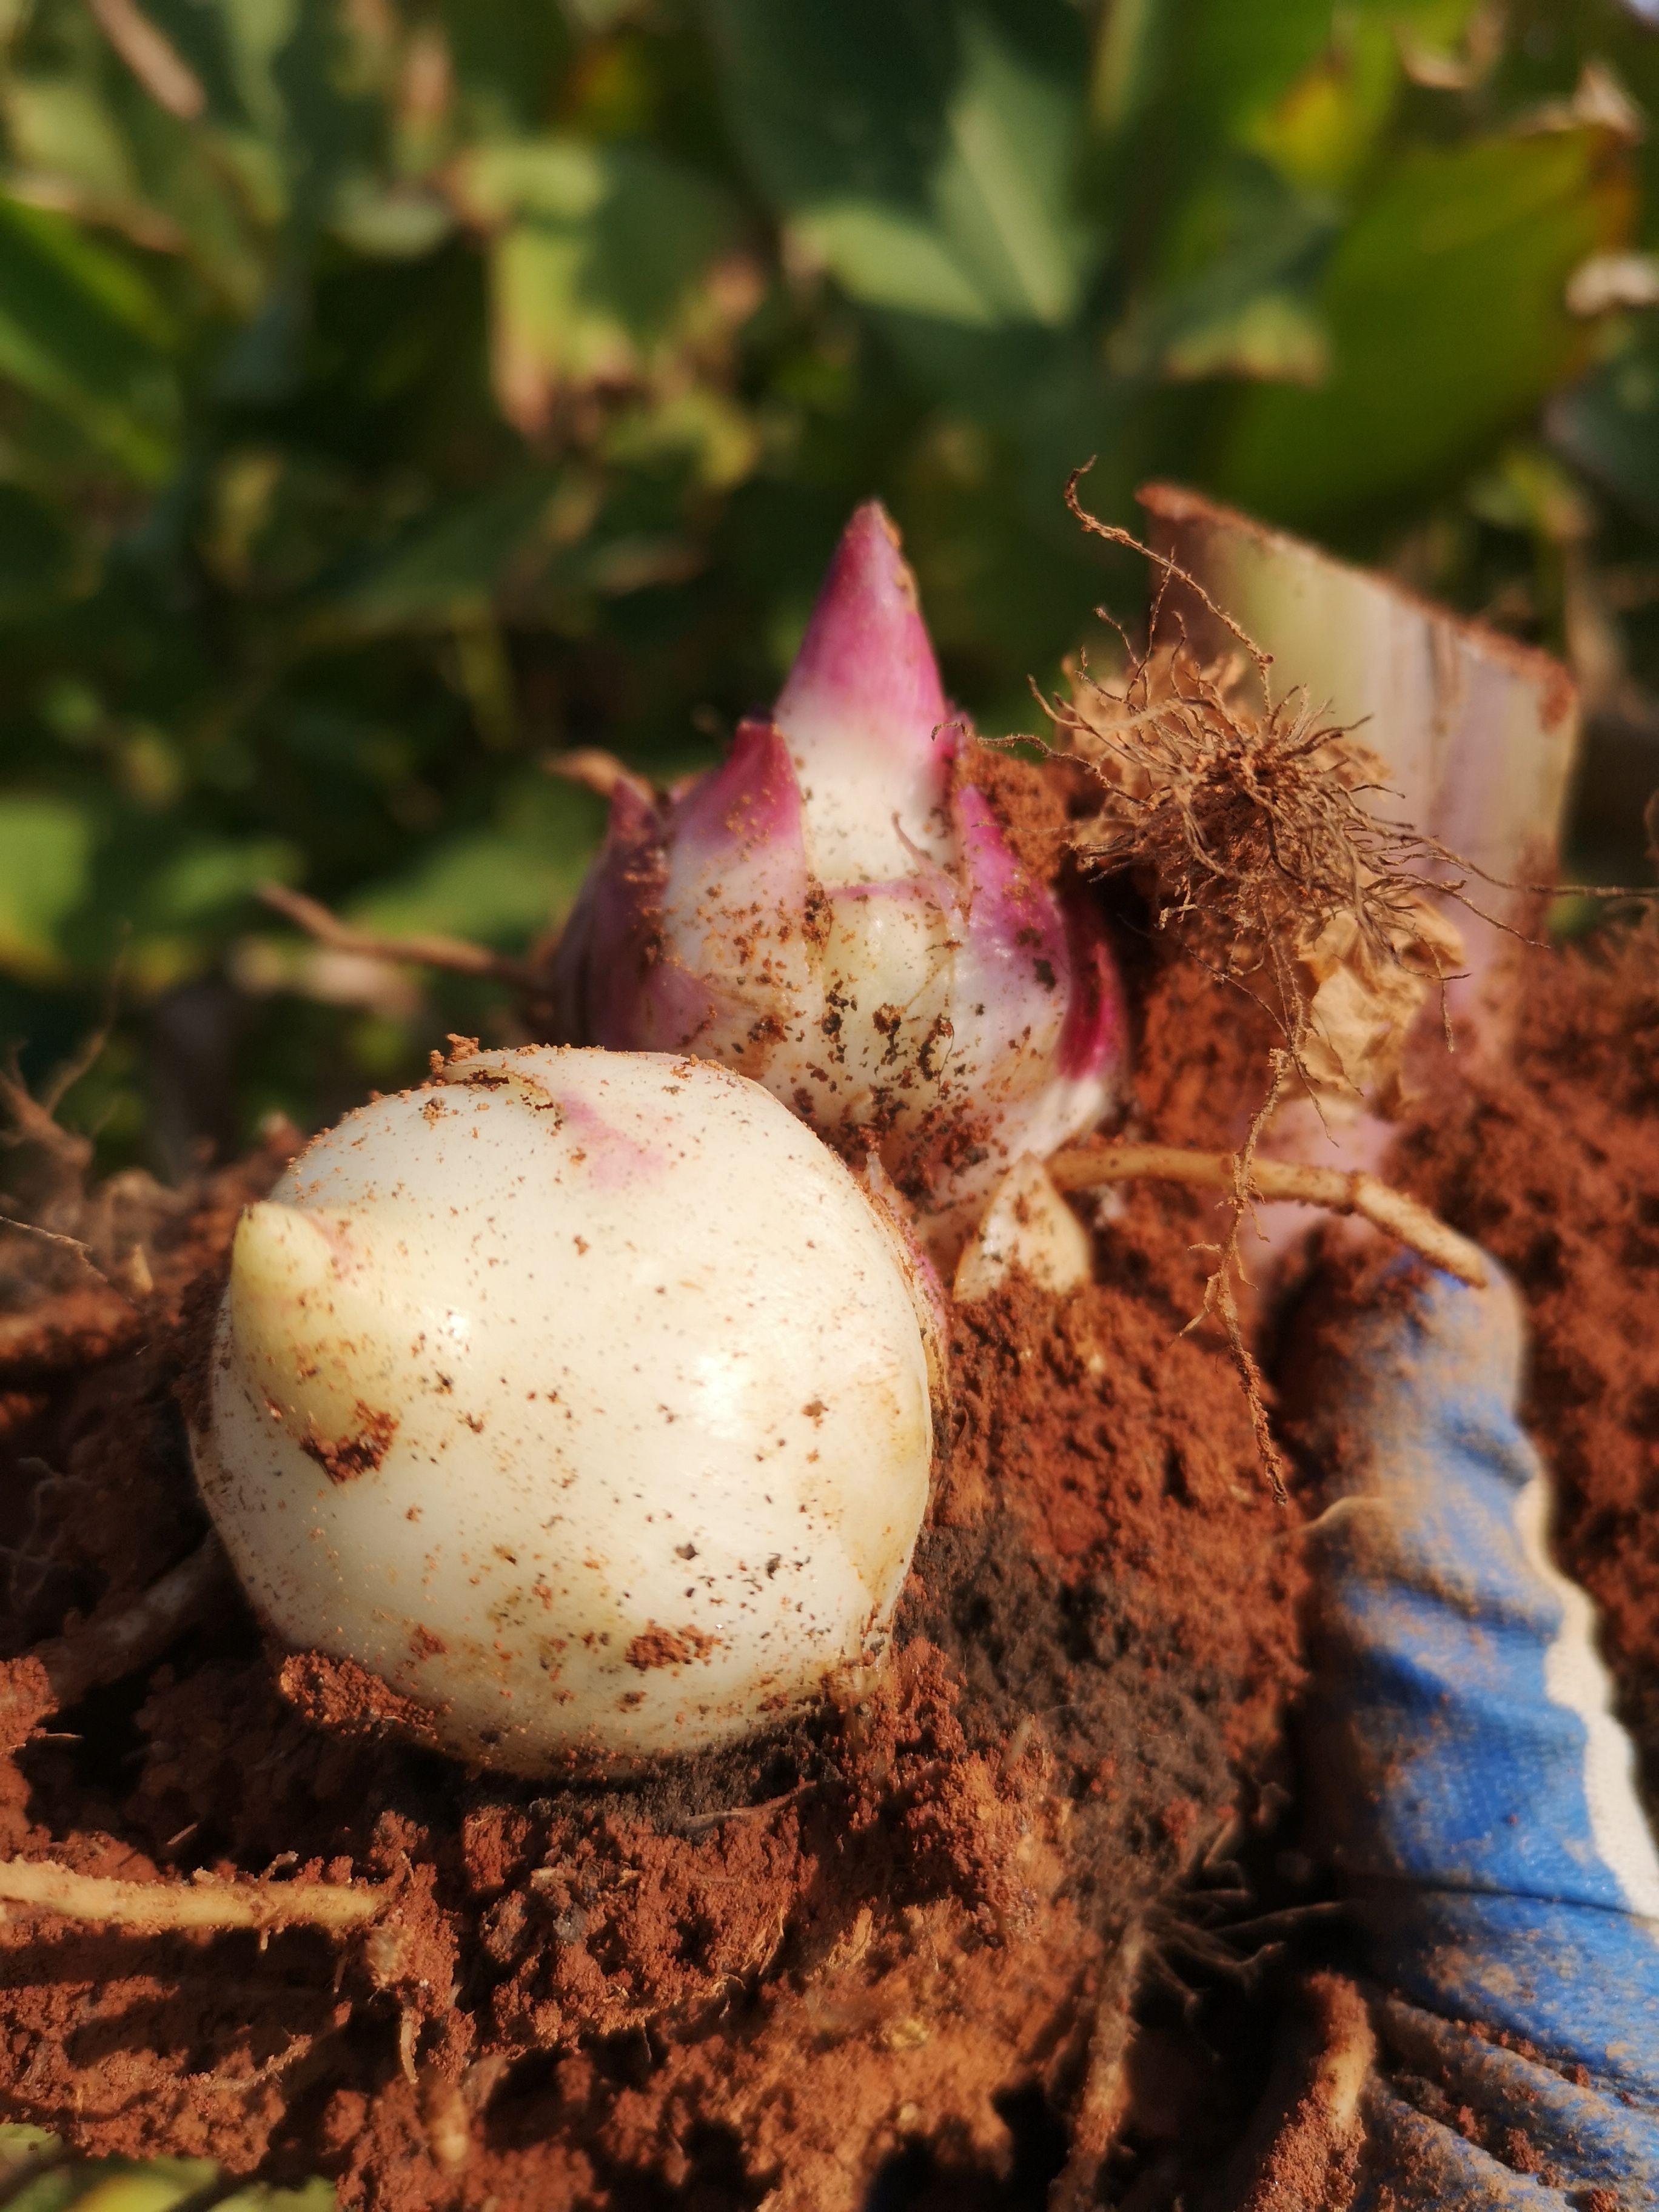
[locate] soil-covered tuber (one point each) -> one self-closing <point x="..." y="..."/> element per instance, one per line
<point x="581" y="1398"/>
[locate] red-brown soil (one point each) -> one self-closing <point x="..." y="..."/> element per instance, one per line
<point x="876" y="1943"/>
<point x="876" y="1950"/>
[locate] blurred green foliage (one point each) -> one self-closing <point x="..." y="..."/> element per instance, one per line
<point x="39" y="2174"/>
<point x="394" y="393"/>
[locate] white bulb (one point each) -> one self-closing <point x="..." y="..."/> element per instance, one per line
<point x="581" y="1396"/>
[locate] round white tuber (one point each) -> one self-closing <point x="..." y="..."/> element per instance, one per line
<point x="581" y="1397"/>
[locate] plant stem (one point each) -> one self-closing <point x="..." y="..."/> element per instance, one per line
<point x="153" y="1908"/>
<point x="1338" y="1191"/>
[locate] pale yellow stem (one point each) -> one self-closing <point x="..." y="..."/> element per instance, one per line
<point x="1336" y="1190"/>
<point x="151" y="1908"/>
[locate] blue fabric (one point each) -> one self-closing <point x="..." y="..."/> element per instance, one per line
<point x="1474" y="1790"/>
<point x="1414" y="2161"/>
<point x="1574" y="2130"/>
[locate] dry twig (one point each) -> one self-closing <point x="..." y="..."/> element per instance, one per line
<point x="700" y="1824"/>
<point x="76" y="1244"/>
<point x="59" y="1671"/>
<point x="597" y="771"/>
<point x="106" y="1227"/>
<point x="453" y="954"/>
<point x="31" y="1120"/>
<point x="152" y="57"/>
<point x="1245" y="1181"/>
<point x="106" y="1648"/>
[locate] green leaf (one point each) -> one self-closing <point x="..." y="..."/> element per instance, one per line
<point x="310" y="2197"/>
<point x="187" y="192"/>
<point x="59" y="126"/>
<point x="167" y="911"/>
<point x="447" y="563"/>
<point x="390" y="224"/>
<point x="1130" y="36"/>
<point x="37" y="554"/>
<point x="500" y="884"/>
<point x="890" y="259"/>
<point x="1305" y="84"/>
<point x="1446" y="321"/>
<point x="1322" y="129"/>
<point x="561" y="179"/>
<point x="156" y="2186"/>
<point x="200" y="884"/>
<point x="80" y="328"/>
<point x="1240" y="56"/>
<point x="924" y="155"/>
<point x="599" y="265"/>
<point x="699" y="427"/>
<point x="1001" y="188"/>
<point x="122" y="2184"/>
<point x="1610" y="425"/>
<point x="46" y="860"/>
<point x="230" y="49"/>
<point x="1272" y="337"/>
<point x="1243" y="300"/>
<point x="506" y="58"/>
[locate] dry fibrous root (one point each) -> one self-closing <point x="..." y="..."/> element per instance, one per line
<point x="1104" y="2098"/>
<point x="52" y="1207"/>
<point x="1254" y="831"/>
<point x="103" y="1650"/>
<point x="1248" y="826"/>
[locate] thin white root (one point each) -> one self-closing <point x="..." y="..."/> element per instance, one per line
<point x="1336" y="1190"/>
<point x="154" y="1908"/>
<point x="452" y="954"/>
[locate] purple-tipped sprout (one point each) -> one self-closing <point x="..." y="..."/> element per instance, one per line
<point x="837" y="912"/>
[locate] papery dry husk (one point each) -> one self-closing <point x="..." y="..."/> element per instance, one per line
<point x="1361" y="1006"/>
